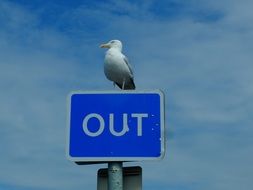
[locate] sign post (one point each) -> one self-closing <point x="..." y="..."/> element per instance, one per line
<point x="115" y="176"/>
<point x="114" y="127"/>
<point x="132" y="178"/>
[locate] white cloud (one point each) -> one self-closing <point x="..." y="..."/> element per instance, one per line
<point x="204" y="68"/>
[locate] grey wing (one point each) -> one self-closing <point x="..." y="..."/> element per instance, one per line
<point x="129" y="66"/>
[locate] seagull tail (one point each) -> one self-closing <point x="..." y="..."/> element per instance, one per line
<point x="128" y="86"/>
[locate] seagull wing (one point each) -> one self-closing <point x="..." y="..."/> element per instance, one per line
<point x="130" y="84"/>
<point x="129" y="66"/>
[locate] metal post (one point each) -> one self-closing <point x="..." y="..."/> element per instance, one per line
<point x="115" y="176"/>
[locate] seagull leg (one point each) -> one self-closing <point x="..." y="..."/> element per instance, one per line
<point x="123" y="85"/>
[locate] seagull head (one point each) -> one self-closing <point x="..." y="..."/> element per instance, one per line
<point x="112" y="44"/>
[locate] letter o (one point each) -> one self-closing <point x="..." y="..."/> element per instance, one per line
<point x="101" y="125"/>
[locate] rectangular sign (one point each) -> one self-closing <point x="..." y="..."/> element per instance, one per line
<point x="116" y="126"/>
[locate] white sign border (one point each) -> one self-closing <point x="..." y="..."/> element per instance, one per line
<point x="108" y="159"/>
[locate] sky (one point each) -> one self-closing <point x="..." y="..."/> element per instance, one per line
<point x="198" y="52"/>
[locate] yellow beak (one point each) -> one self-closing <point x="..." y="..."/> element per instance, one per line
<point x="104" y="46"/>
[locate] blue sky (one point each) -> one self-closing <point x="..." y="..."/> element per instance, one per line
<point x="198" y="52"/>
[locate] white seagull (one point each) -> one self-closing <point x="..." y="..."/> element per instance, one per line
<point x="116" y="66"/>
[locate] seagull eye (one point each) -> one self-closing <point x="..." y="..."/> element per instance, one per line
<point x="112" y="42"/>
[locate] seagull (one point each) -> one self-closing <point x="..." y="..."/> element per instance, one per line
<point x="116" y="66"/>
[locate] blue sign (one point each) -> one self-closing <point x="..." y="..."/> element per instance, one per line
<point x="116" y="126"/>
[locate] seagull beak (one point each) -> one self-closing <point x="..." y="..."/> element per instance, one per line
<point x="104" y="46"/>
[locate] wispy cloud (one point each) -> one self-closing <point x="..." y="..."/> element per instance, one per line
<point x="198" y="52"/>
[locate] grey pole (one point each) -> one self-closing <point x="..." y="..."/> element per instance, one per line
<point x="115" y="176"/>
